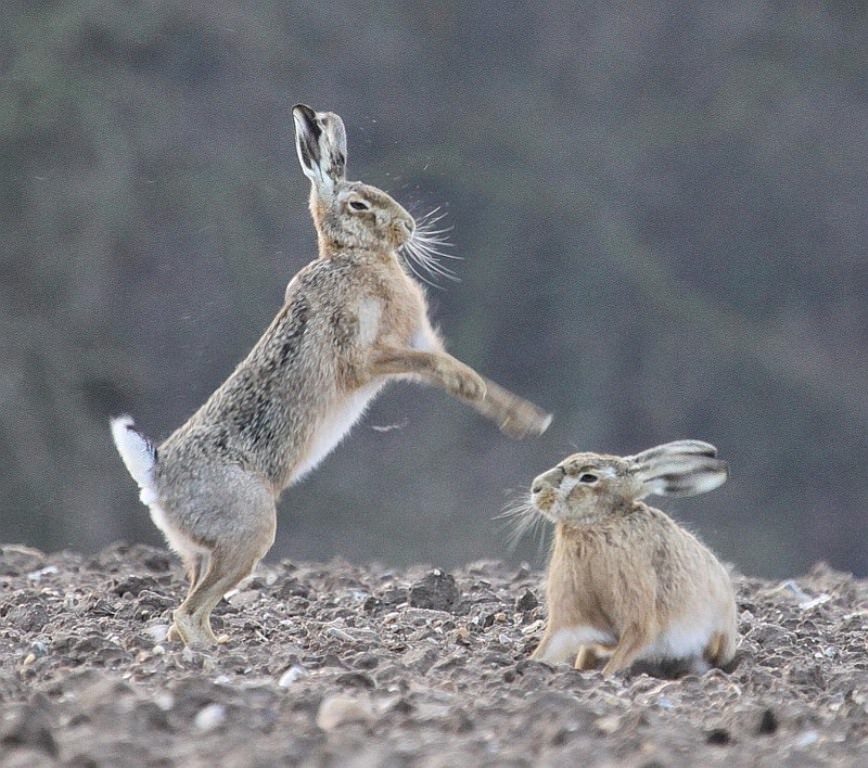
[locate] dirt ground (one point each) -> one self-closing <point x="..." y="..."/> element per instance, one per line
<point x="348" y="666"/>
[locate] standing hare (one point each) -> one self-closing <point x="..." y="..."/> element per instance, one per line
<point x="352" y="320"/>
<point x="625" y="581"/>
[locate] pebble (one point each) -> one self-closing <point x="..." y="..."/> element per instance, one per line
<point x="527" y="602"/>
<point x="294" y="673"/>
<point x="245" y="598"/>
<point x="436" y="591"/>
<point x="157" y="632"/>
<point x="335" y="711"/>
<point x="210" y="717"/>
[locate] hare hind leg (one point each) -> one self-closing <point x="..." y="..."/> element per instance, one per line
<point x="630" y="645"/>
<point x="226" y="568"/>
<point x="195" y="565"/>
<point x="720" y="650"/>
<point x="590" y="656"/>
<point x="228" y="562"/>
<point x="192" y="619"/>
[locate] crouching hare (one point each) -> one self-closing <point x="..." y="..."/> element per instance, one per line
<point x="351" y="320"/>
<point x="625" y="582"/>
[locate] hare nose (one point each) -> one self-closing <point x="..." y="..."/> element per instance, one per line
<point x="552" y="478"/>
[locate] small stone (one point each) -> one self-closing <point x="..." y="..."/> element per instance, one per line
<point x="243" y="599"/>
<point x="807" y="738"/>
<point x="210" y="717"/>
<point x="436" y="591"/>
<point x="37" y="576"/>
<point x="461" y="634"/>
<point x="294" y="673"/>
<point x="527" y="602"/>
<point x="532" y="629"/>
<point x="133" y="585"/>
<point x="157" y="632"/>
<point x="164" y="701"/>
<point x="335" y="711"/>
<point x="355" y="680"/>
<point x="608" y="724"/>
<point x="366" y="661"/>
<point x="768" y="723"/>
<point x="371" y="604"/>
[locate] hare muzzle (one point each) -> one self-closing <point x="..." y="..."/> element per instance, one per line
<point x="545" y="491"/>
<point x="403" y="231"/>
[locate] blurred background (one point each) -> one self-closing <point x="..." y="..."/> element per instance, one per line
<point x="661" y="210"/>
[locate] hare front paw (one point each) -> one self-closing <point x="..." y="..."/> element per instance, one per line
<point x="468" y="384"/>
<point x="522" y="419"/>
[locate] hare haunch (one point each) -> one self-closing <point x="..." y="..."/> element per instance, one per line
<point x="624" y="580"/>
<point x="352" y="320"/>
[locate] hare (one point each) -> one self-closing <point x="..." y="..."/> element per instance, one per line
<point x="624" y="580"/>
<point x="352" y="320"/>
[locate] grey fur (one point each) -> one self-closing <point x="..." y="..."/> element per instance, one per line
<point x="352" y="320"/>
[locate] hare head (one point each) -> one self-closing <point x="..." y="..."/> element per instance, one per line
<point x="351" y="215"/>
<point x="588" y="487"/>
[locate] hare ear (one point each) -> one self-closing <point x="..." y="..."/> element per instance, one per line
<point x="677" y="448"/>
<point x="321" y="144"/>
<point x="681" y="468"/>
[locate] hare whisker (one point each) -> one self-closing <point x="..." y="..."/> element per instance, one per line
<point x="426" y="248"/>
<point x="520" y="518"/>
<point x="417" y="273"/>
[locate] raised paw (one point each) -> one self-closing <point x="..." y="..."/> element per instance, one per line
<point x="523" y="419"/>
<point x="465" y="383"/>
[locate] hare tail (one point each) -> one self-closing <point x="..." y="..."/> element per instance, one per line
<point x="139" y="455"/>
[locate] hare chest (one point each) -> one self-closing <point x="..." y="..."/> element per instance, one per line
<point x="348" y="407"/>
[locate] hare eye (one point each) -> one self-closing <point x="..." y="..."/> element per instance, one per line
<point x="588" y="478"/>
<point x="359" y="205"/>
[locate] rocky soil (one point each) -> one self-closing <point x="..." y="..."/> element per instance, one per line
<point x="356" y="666"/>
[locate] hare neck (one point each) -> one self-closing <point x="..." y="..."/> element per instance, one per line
<point x="331" y="247"/>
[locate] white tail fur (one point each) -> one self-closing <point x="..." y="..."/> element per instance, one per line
<point x="139" y="456"/>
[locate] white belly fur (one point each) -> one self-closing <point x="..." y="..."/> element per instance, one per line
<point x="682" y="640"/>
<point x="331" y="430"/>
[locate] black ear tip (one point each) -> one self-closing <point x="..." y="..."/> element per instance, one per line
<point x="303" y="111"/>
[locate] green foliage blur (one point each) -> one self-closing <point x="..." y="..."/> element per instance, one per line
<point x="661" y="210"/>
